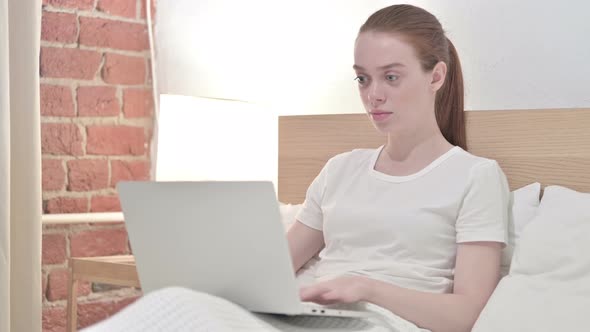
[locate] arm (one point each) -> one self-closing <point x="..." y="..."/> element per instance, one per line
<point x="304" y="243"/>
<point x="477" y="273"/>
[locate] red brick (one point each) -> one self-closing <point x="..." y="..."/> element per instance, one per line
<point x="56" y="100"/>
<point x="143" y="12"/>
<point x="61" y="139"/>
<point x="97" y="101"/>
<point x="122" y="69"/>
<point x="69" y="63"/>
<point x="53" y="174"/>
<point x="93" y="312"/>
<point x="124" y="8"/>
<point x="129" y="170"/>
<point x="113" y="34"/>
<point x="88" y="174"/>
<point x="59" y="27"/>
<point x="115" y="140"/>
<point x="54" y="249"/>
<point x="54" y="319"/>
<point x="79" y="4"/>
<point x="57" y="285"/>
<point x="137" y="103"/>
<point x="102" y="242"/>
<point x="105" y="204"/>
<point x="67" y="205"/>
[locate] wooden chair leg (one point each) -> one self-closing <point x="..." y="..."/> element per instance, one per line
<point x="72" y="305"/>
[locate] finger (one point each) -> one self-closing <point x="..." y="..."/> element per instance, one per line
<point x="323" y="302"/>
<point x="332" y="295"/>
<point x="320" y="299"/>
<point x="339" y="296"/>
<point x="310" y="293"/>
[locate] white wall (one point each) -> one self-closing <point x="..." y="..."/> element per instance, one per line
<point x="297" y="55"/>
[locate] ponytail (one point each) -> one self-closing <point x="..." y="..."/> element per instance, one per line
<point x="448" y="107"/>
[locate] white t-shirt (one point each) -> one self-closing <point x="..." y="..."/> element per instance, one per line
<point x="404" y="229"/>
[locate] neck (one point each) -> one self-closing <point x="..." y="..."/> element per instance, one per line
<point x="403" y="146"/>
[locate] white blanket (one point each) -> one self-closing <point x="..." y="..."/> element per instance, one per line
<point x="180" y="309"/>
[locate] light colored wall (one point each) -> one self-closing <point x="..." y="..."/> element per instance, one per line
<point x="297" y="55"/>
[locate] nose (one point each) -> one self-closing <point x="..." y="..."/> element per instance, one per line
<point x="376" y="95"/>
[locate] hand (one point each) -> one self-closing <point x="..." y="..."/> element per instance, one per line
<point x="347" y="289"/>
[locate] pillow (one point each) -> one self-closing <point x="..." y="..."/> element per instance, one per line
<point x="557" y="242"/>
<point x="548" y="288"/>
<point x="523" y="206"/>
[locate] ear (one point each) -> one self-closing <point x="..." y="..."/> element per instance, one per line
<point x="439" y="73"/>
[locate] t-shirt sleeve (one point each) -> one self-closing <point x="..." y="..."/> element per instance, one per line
<point x="311" y="213"/>
<point x="483" y="215"/>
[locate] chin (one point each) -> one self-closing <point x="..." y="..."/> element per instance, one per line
<point x="382" y="127"/>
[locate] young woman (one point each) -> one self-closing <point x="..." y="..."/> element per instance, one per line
<point x="417" y="225"/>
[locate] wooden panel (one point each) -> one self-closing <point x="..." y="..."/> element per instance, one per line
<point x="307" y="142"/>
<point x="548" y="146"/>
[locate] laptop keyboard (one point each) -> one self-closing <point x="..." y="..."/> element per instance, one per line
<point x="318" y="323"/>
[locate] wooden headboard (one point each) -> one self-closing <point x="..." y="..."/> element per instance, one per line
<point x="547" y="146"/>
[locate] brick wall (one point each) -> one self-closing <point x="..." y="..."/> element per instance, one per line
<point x="96" y="114"/>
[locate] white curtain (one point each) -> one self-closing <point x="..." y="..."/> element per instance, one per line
<point x="20" y="166"/>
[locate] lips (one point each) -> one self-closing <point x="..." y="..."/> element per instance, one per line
<point x="378" y="115"/>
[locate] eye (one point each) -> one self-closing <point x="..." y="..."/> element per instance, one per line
<point x="361" y="79"/>
<point x="391" y="78"/>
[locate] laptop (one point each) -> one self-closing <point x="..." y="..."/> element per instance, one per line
<point x="221" y="238"/>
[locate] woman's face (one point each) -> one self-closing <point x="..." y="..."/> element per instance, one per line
<point x="397" y="93"/>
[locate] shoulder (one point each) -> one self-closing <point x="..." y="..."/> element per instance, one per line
<point x="474" y="164"/>
<point x="344" y="166"/>
<point x="483" y="174"/>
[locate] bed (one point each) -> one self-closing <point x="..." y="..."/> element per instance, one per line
<point x="548" y="285"/>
